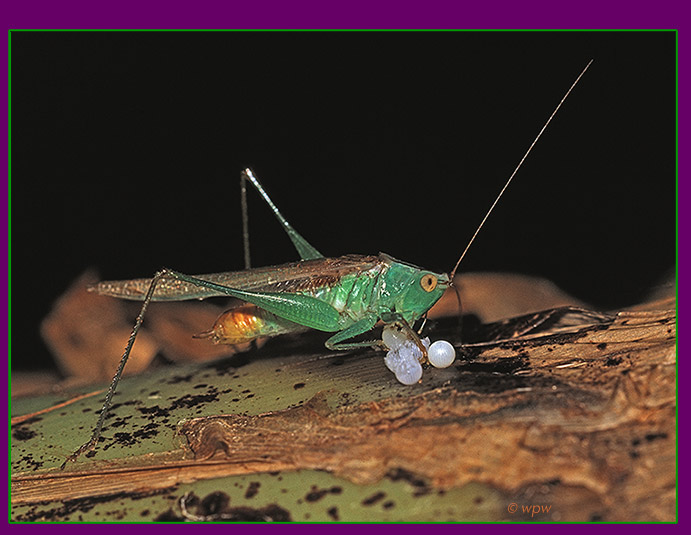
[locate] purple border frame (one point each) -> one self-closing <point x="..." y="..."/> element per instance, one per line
<point x="265" y="14"/>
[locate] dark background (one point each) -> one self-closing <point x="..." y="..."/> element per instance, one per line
<point x="127" y="147"/>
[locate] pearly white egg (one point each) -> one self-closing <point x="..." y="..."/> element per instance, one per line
<point x="441" y="354"/>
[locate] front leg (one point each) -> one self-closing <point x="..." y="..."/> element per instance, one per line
<point x="359" y="327"/>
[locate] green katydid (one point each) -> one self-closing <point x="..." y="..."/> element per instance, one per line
<point x="346" y="296"/>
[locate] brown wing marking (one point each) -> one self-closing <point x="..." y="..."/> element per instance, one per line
<point x="290" y="277"/>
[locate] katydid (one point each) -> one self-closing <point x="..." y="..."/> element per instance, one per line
<point x="347" y="296"/>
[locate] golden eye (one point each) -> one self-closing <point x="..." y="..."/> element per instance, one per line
<point x="428" y="282"/>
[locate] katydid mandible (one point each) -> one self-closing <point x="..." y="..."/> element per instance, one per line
<point x="346" y="296"/>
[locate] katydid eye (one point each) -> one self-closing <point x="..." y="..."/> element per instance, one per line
<point x="428" y="282"/>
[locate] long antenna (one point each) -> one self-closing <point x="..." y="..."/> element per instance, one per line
<point x="453" y="273"/>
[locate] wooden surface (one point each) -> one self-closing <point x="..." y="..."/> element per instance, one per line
<point x="576" y="416"/>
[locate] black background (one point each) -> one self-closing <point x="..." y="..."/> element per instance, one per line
<point x="126" y="151"/>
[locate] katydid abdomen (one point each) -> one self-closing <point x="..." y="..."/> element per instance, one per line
<point x="246" y="323"/>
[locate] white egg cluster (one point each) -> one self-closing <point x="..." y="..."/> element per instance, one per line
<point x="404" y="356"/>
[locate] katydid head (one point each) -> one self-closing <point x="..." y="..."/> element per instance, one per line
<point x="416" y="290"/>
<point x="424" y="291"/>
